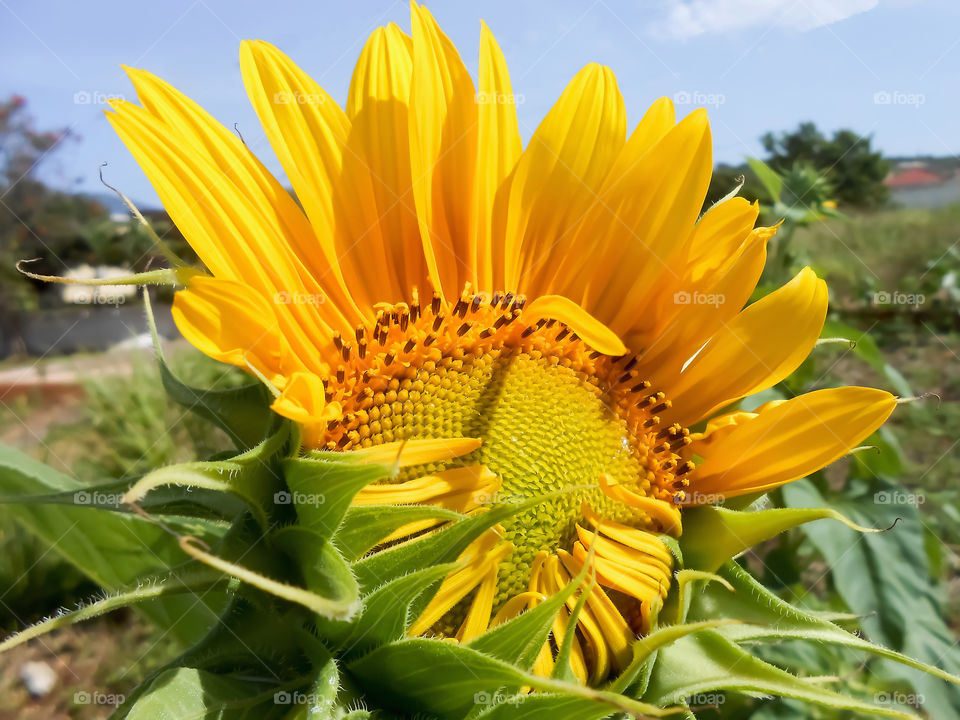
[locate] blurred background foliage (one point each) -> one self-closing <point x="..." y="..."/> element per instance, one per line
<point x="838" y="216"/>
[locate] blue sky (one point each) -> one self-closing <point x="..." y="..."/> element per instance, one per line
<point x="886" y="68"/>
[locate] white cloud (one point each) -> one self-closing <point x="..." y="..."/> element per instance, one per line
<point x="688" y="18"/>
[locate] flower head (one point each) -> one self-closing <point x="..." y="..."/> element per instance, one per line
<point x="559" y="319"/>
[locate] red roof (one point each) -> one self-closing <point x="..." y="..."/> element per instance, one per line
<point x="913" y="176"/>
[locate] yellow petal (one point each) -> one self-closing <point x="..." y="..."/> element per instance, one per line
<point x="232" y="324"/>
<point x="790" y="440"/>
<point x="302" y="401"/>
<point x="416" y="452"/>
<point x="700" y="309"/>
<point x="481" y="608"/>
<point x="443" y="154"/>
<point x="594" y="333"/>
<point x="307" y="130"/>
<point x="662" y="513"/>
<point x="757" y="349"/>
<point x="637" y="235"/>
<point x="559" y="174"/>
<point x="213" y="212"/>
<point x="718" y="236"/>
<point x="631" y="537"/>
<point x="287" y="237"/>
<point x="458" y="489"/>
<point x="553" y="579"/>
<point x="379" y="147"/>
<point x="483" y="555"/>
<point x="498" y="148"/>
<point x="655" y="123"/>
<point x="616" y="633"/>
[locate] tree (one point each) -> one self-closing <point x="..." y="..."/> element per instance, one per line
<point x="855" y="173"/>
<point x="35" y="221"/>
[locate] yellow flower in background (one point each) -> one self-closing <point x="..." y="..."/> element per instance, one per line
<point x="556" y="317"/>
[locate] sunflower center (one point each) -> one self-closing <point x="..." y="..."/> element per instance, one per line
<point x="552" y="415"/>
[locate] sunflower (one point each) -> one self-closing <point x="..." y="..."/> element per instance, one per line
<point x="556" y="321"/>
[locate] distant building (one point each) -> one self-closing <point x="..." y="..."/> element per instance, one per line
<point x="913" y="184"/>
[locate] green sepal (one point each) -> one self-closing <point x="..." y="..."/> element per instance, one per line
<point x="322" y="568"/>
<point x="526" y="706"/>
<point x="199" y="506"/>
<point x="645" y="649"/>
<point x="366" y="526"/>
<point x="250" y="476"/>
<point x="562" y="669"/>
<point x="712" y="535"/>
<point x="519" y="640"/>
<point x="199" y="580"/>
<point x="440" y="547"/>
<point x="386" y="614"/>
<point x="707" y="661"/>
<point x="243" y="413"/>
<point x="764" y="616"/>
<point x="323" y="486"/>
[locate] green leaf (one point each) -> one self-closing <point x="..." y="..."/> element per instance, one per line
<point x="706" y="662"/>
<point x="92" y="540"/>
<point x="449" y="680"/>
<point x="885" y="578"/>
<point x="768" y="177"/>
<point x="191" y="694"/>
